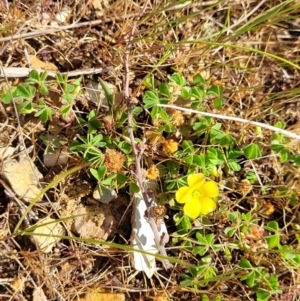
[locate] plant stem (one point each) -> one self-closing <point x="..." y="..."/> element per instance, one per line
<point x="138" y="152"/>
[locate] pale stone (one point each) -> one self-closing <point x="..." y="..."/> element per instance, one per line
<point x="105" y="195"/>
<point x="96" y="94"/>
<point x="23" y="177"/>
<point x="57" y="157"/>
<point x="93" y="222"/>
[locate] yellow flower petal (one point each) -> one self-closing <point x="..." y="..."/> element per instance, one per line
<point x="183" y="195"/>
<point x="196" y="179"/>
<point x="207" y="205"/>
<point x="210" y="189"/>
<point x="192" y="209"/>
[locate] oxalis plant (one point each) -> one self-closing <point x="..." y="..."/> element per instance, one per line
<point x="189" y="153"/>
<point x="195" y="194"/>
<point x="30" y="97"/>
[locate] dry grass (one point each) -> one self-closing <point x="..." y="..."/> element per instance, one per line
<point x="251" y="48"/>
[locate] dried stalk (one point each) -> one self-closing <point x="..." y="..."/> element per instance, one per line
<point x="138" y="149"/>
<point x="237" y="119"/>
<point x="23" y="71"/>
<point x="52" y="30"/>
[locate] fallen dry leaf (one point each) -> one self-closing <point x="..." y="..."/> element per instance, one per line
<point x="49" y="227"/>
<point x="100" y="296"/>
<point x="18" y="284"/>
<point x="267" y="209"/>
<point x="36" y="63"/>
<point x="160" y="297"/>
<point x="245" y="187"/>
<point x="257" y="233"/>
<point x="142" y="234"/>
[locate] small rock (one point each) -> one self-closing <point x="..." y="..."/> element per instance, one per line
<point x="23" y="177"/>
<point x="49" y="227"/>
<point x="93" y="222"/>
<point x="105" y="195"/>
<point x="96" y="94"/>
<point x="58" y="157"/>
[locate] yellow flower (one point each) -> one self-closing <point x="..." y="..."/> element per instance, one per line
<point x="197" y="196"/>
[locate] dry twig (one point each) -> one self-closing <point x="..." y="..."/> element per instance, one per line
<point x="233" y="118"/>
<point x="138" y="149"/>
<point x="23" y="72"/>
<point x="53" y="30"/>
